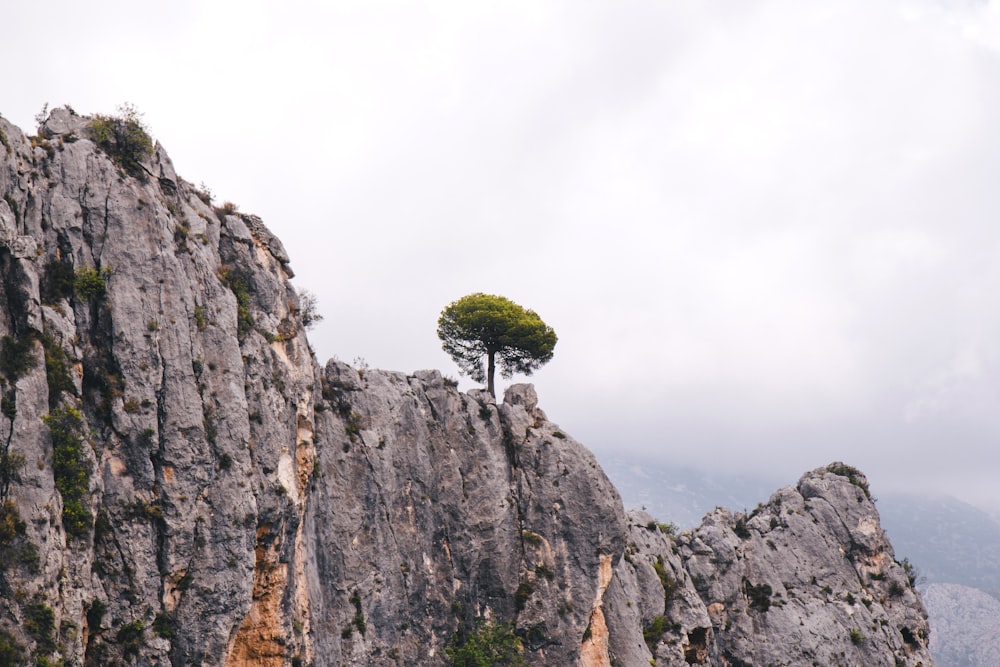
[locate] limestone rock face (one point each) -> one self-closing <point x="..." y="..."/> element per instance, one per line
<point x="172" y="330"/>
<point x="807" y="578"/>
<point x="432" y="508"/>
<point x="181" y="483"/>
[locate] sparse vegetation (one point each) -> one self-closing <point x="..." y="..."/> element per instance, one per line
<point x="57" y="373"/>
<point x="57" y="282"/>
<point x="667" y="580"/>
<point x="200" y="319"/>
<point x="40" y="624"/>
<point x="90" y="284"/>
<point x="545" y="572"/>
<point x="665" y="528"/>
<point x="486" y="645"/>
<point x="359" y="616"/>
<point x="909" y="569"/>
<point x="240" y="287"/>
<point x="130" y="638"/>
<point x="652" y="631"/>
<point x="353" y="424"/>
<point x="16" y="357"/>
<point x="759" y="595"/>
<point x="69" y="467"/>
<point x="11" y="653"/>
<point x="523" y="593"/>
<point x="124" y="138"/>
<point x="227" y="208"/>
<point x="15" y="549"/>
<point x="740" y="528"/>
<point x="163" y="625"/>
<point x="855" y="476"/>
<point x="95" y="614"/>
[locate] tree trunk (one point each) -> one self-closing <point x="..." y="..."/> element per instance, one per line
<point x="489" y="373"/>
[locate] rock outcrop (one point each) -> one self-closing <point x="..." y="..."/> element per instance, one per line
<point x="807" y="578"/>
<point x="181" y="482"/>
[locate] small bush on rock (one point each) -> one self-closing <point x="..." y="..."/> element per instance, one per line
<point x="124" y="138"/>
<point x="487" y="645"/>
<point x="69" y="467"/>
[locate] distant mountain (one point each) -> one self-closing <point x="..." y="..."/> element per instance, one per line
<point x="682" y="495"/>
<point x="949" y="541"/>
<point x="965" y="626"/>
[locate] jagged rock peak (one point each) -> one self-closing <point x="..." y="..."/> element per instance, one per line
<point x="807" y="578"/>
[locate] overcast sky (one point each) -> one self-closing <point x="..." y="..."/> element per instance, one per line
<point x="765" y="232"/>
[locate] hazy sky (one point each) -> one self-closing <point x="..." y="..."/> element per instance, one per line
<point x="765" y="232"/>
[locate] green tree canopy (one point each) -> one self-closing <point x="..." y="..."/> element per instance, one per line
<point x="482" y="332"/>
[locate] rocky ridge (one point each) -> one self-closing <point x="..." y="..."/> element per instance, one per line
<point x="182" y="483"/>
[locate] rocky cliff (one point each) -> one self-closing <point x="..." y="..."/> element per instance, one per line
<point x="181" y="483"/>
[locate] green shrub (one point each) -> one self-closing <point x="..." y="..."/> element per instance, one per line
<point x="40" y="624"/>
<point x="90" y="283"/>
<point x="95" y="615"/>
<point x="545" y="572"/>
<point x="857" y="638"/>
<point x="11" y="653"/>
<point x="69" y="467"/>
<point x="11" y="465"/>
<point x="240" y="288"/>
<point x="655" y="629"/>
<point x="758" y="595"/>
<point x="14" y="548"/>
<point x="524" y="591"/>
<point x="57" y="282"/>
<point x="200" y="319"/>
<point x="487" y="645"/>
<point x="359" y="616"/>
<point x="11" y="525"/>
<point x="16" y="357"/>
<point x="130" y="638"/>
<point x="909" y="569"/>
<point x="8" y="405"/>
<point x="163" y="625"/>
<point x="353" y="425"/>
<point x="853" y="475"/>
<point x="57" y="373"/>
<point x="668" y="582"/>
<point x="124" y="138"/>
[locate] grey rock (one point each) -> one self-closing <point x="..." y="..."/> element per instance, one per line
<point x="226" y="500"/>
<point x="807" y="578"/>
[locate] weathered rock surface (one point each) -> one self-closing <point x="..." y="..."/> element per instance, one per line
<point x="182" y="483"/>
<point x="807" y="578"/>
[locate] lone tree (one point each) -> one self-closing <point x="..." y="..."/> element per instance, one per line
<point x="483" y="327"/>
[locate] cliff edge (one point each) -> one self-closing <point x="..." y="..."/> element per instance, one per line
<point x="182" y="483"/>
